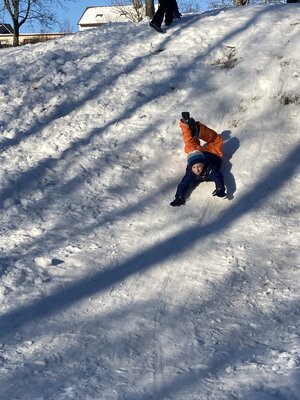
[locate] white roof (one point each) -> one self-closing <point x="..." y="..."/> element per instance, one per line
<point x="102" y="14"/>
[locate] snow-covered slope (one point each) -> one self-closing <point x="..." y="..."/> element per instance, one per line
<point x="107" y="292"/>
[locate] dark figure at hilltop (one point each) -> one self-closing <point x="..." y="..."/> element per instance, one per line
<point x="167" y="9"/>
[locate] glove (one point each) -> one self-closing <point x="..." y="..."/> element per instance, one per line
<point x="177" y="15"/>
<point x="219" y="192"/>
<point x="177" y="202"/>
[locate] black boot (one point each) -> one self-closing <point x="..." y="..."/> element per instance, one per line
<point x="157" y="28"/>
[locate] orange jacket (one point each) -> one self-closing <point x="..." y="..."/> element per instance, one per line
<point x="214" y="142"/>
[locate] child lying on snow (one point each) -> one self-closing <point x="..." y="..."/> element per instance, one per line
<point x="203" y="163"/>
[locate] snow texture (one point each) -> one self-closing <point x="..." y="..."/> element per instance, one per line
<point x="107" y="292"/>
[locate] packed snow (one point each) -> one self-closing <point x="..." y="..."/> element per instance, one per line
<point x="109" y="293"/>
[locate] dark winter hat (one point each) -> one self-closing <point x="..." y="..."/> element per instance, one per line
<point x="195" y="157"/>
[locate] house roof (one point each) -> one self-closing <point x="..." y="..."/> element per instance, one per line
<point x="102" y="14"/>
<point x="6" y="29"/>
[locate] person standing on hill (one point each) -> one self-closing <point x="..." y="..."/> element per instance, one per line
<point x="203" y="162"/>
<point x="169" y="10"/>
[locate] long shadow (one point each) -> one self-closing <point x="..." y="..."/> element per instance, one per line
<point x="173" y="246"/>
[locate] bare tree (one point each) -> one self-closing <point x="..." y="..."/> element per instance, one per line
<point x="149" y="8"/>
<point x="189" y="6"/>
<point x="215" y="4"/>
<point x="133" y="10"/>
<point x="66" y="26"/>
<point x="240" y="2"/>
<point x="21" y="11"/>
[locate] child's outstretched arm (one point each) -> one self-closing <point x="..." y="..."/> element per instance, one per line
<point x="216" y="176"/>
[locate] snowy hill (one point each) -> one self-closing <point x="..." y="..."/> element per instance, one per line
<point x="107" y="292"/>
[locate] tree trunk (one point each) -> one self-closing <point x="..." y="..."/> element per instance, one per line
<point x="240" y="2"/>
<point x="149" y="4"/>
<point x="16" y="33"/>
